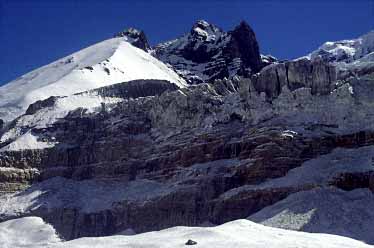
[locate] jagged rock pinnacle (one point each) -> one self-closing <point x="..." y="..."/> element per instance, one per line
<point x="135" y="37"/>
<point x="227" y="53"/>
<point x="248" y="46"/>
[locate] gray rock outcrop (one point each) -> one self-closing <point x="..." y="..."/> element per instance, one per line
<point x="303" y="73"/>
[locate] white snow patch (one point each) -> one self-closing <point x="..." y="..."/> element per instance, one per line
<point x="30" y="232"/>
<point x="27" y="141"/>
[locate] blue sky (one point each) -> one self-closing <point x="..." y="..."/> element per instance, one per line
<point x="36" y="32"/>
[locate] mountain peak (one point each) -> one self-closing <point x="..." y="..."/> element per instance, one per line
<point x="244" y="25"/>
<point x="204" y="30"/>
<point x="209" y="53"/>
<point x="246" y="39"/>
<point x="201" y="24"/>
<point x="136" y="37"/>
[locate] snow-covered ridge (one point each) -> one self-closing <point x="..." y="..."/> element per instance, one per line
<point x="105" y="63"/>
<point x="240" y="234"/>
<point x="353" y="57"/>
<point x="346" y="50"/>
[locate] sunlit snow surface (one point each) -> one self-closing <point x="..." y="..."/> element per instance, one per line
<point x="32" y="232"/>
<point x="348" y="55"/>
<point x="105" y="63"/>
<point x="346" y="50"/>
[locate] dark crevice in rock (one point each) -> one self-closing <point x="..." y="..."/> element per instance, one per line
<point x="278" y="86"/>
<point x="288" y="81"/>
<point x="329" y="75"/>
<point x="355" y="180"/>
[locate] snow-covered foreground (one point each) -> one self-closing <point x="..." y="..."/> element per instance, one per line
<point x="33" y="232"/>
<point x="27" y="232"/>
<point x="105" y="63"/>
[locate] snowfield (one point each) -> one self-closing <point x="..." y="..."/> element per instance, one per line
<point x="32" y="232"/>
<point x="105" y="63"/>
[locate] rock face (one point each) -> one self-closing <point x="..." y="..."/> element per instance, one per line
<point x="33" y="108"/>
<point x="136" y="37"/>
<point x="136" y="89"/>
<point x="207" y="53"/>
<point x="182" y="156"/>
<point x="147" y="154"/>
<point x="316" y="75"/>
<point x="244" y="43"/>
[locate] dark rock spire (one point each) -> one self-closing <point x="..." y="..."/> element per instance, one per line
<point x="244" y="38"/>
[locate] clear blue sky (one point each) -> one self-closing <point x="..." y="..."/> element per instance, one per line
<point x="36" y="32"/>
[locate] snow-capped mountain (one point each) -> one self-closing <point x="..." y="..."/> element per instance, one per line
<point x="108" y="62"/>
<point x="200" y="130"/>
<point x="207" y="53"/>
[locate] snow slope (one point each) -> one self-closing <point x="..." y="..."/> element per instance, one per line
<point x="238" y="234"/>
<point x="27" y="232"/>
<point x="327" y="210"/>
<point x="105" y="63"/>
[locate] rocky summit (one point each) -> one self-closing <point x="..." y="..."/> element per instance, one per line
<point x="207" y="53"/>
<point x="200" y="130"/>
